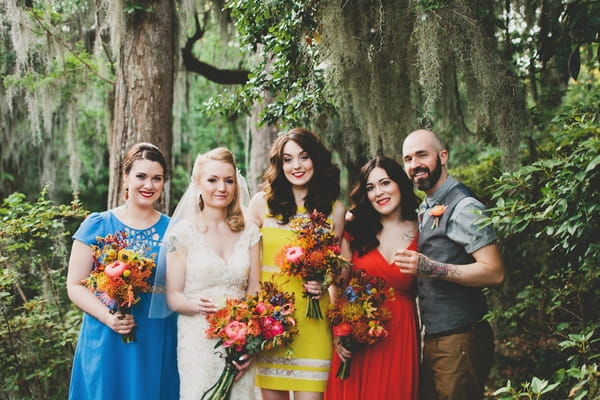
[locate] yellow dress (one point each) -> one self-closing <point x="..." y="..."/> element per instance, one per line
<point x="307" y="368"/>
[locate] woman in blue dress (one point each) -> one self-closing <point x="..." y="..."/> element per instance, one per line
<point x="104" y="367"/>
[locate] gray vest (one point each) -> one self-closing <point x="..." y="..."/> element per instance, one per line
<point x="446" y="305"/>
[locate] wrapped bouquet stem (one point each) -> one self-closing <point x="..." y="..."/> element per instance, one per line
<point x="221" y="390"/>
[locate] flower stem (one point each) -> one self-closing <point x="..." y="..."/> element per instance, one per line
<point x="313" y="309"/>
<point x="344" y="369"/>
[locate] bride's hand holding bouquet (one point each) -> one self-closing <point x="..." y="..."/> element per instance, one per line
<point x="245" y="327"/>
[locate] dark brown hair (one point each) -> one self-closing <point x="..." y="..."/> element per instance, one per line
<point x="366" y="223"/>
<point x="323" y="188"/>
<point x="144" y="151"/>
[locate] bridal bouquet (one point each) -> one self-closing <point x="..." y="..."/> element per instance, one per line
<point x="119" y="275"/>
<point x="256" y="323"/>
<point x="313" y="254"/>
<point x="359" y="316"/>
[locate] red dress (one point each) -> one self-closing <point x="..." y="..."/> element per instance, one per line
<point x="389" y="368"/>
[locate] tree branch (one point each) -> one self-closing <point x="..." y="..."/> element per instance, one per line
<point x="70" y="50"/>
<point x="213" y="74"/>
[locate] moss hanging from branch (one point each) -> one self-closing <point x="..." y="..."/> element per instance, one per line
<point x="454" y="36"/>
<point x="366" y="47"/>
<point x="399" y="65"/>
<point x="53" y="71"/>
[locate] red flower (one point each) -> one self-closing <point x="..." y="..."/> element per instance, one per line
<point x="271" y="327"/>
<point x="342" y="329"/>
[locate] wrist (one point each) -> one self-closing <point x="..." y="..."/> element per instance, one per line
<point x="432" y="268"/>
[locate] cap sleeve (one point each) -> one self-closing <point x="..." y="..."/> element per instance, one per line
<point x="91" y="228"/>
<point x="253" y="232"/>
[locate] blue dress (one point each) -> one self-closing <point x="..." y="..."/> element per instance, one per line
<point x="103" y="366"/>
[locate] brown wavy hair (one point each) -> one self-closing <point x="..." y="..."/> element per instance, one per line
<point x="323" y="188"/>
<point x="235" y="216"/>
<point x="366" y="223"/>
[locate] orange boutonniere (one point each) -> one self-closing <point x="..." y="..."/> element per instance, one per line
<point x="436" y="212"/>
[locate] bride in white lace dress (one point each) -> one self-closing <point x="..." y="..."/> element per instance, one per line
<point x="212" y="253"/>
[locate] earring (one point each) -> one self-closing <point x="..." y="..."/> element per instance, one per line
<point x="201" y="202"/>
<point x="126" y="193"/>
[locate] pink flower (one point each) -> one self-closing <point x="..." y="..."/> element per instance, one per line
<point x="271" y="327"/>
<point x="236" y="334"/>
<point x="261" y="308"/>
<point x="335" y="249"/>
<point x="115" y="269"/>
<point x="293" y="254"/>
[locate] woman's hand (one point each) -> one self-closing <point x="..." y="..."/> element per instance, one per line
<point x="206" y="306"/>
<point x="341" y="351"/>
<point x="315" y="288"/>
<point x="120" y="323"/>
<point x="242" y="364"/>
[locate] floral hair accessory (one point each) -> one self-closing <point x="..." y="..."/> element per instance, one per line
<point x="436" y="212"/>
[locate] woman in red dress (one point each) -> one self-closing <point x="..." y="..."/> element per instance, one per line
<point x="384" y="220"/>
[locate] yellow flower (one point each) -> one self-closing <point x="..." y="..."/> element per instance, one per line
<point x="126" y="255"/>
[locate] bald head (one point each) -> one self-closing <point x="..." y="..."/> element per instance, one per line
<point x="423" y="138"/>
<point x="425" y="160"/>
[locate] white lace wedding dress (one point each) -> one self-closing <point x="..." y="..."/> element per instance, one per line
<point x="207" y="274"/>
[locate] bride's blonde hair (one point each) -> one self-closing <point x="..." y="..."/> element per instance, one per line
<point x="235" y="216"/>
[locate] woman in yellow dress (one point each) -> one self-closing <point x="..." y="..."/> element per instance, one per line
<point x="301" y="178"/>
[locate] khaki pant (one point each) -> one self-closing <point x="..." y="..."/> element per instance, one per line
<point x="456" y="366"/>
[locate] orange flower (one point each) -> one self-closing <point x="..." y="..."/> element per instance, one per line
<point x="437" y="211"/>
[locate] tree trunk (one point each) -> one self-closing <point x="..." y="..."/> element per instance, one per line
<point x="143" y="90"/>
<point x="262" y="139"/>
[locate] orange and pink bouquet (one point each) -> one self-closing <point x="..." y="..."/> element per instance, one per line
<point x="359" y="317"/>
<point x="260" y="322"/>
<point x="119" y="275"/>
<point x="313" y="254"/>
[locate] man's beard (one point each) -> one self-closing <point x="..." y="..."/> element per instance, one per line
<point x="432" y="176"/>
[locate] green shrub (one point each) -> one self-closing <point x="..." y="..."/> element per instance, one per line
<point x="548" y="216"/>
<point x="39" y="325"/>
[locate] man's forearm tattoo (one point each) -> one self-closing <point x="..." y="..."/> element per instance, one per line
<point x="426" y="266"/>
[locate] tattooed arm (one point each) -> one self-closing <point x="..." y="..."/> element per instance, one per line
<point x="487" y="270"/>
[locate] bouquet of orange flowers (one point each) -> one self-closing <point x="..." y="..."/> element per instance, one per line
<point x="119" y="275"/>
<point x="259" y="322"/>
<point x="313" y="254"/>
<point x="359" y="317"/>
